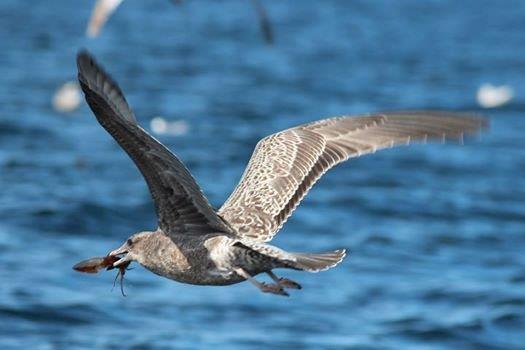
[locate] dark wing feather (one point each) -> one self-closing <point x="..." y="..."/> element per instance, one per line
<point x="284" y="166"/>
<point x="264" y="22"/>
<point x="180" y="204"/>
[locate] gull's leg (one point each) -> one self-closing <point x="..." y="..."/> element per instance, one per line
<point x="284" y="282"/>
<point x="264" y="287"/>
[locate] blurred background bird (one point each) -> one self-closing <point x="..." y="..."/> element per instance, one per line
<point x="104" y="8"/>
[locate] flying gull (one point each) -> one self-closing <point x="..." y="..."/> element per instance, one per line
<point x="197" y="245"/>
<point x="104" y="8"/>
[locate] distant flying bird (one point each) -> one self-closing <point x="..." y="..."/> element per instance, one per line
<point x="490" y="96"/>
<point x="101" y="12"/>
<point x="67" y="98"/>
<point x="195" y="244"/>
<point x="104" y="8"/>
<point x="264" y="22"/>
<point x="160" y="126"/>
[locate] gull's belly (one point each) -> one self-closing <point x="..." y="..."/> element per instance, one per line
<point x="200" y="276"/>
<point x="200" y="264"/>
<point x="208" y="261"/>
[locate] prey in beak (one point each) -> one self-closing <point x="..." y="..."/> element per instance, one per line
<point x="111" y="261"/>
<point x="119" y="258"/>
<point x="121" y="263"/>
<point x="117" y="254"/>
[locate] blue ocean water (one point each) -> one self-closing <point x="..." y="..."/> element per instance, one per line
<point x="436" y="233"/>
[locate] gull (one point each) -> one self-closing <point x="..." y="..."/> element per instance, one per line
<point x="67" y="98"/>
<point x="197" y="245"/>
<point x="104" y="8"/>
<point x="490" y="96"/>
<point x="101" y="12"/>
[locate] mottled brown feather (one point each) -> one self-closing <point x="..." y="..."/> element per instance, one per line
<point x="285" y="165"/>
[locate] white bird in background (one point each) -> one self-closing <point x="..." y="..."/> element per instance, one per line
<point x="490" y="96"/>
<point x="67" y="98"/>
<point x="101" y="12"/>
<point x="161" y="126"/>
<point x="104" y="8"/>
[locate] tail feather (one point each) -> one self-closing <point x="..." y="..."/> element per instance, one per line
<point x="312" y="262"/>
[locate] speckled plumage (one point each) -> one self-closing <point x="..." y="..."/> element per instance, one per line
<point x="193" y="243"/>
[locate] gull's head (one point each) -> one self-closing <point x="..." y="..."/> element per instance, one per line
<point x="133" y="248"/>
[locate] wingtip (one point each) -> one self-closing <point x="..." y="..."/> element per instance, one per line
<point x="83" y="52"/>
<point x="342" y="255"/>
<point x="480" y="120"/>
<point x="484" y="121"/>
<point x="479" y="123"/>
<point x="94" y="80"/>
<point x="83" y="55"/>
<point x="84" y="60"/>
<point x="88" y="70"/>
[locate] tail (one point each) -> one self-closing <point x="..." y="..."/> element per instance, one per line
<point x="318" y="262"/>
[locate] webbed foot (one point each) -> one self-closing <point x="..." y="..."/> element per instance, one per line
<point x="273" y="289"/>
<point x="263" y="287"/>
<point x="288" y="283"/>
<point x="284" y="282"/>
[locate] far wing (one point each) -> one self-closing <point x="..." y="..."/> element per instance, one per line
<point x="285" y="165"/>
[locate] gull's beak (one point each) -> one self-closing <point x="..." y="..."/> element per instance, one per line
<point x="122" y="250"/>
<point x="122" y="261"/>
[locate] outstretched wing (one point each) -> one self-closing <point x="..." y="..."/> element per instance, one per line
<point x="181" y="206"/>
<point x="285" y="165"/>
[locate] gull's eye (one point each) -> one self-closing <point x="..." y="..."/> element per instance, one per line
<point x="129" y="242"/>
